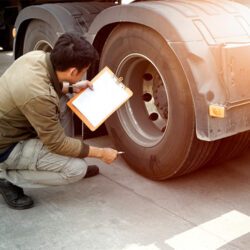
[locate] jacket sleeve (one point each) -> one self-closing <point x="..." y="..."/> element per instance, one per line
<point x="43" y="114"/>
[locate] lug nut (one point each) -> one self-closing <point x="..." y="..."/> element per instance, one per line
<point x="153" y="116"/>
<point x="147" y="97"/>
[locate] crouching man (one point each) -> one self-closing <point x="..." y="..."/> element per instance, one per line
<point x="35" y="147"/>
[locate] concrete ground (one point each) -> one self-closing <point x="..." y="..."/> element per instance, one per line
<point x="120" y="210"/>
<point x="6" y="58"/>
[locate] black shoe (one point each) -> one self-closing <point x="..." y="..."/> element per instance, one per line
<point x="14" y="196"/>
<point x="91" y="171"/>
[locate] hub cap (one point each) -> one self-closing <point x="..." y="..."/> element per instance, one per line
<point x="145" y="115"/>
<point x="43" y="45"/>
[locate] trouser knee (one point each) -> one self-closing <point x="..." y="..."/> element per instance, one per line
<point x="75" y="170"/>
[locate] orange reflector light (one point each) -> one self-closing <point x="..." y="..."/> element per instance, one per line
<point x="14" y="32"/>
<point x="217" y="111"/>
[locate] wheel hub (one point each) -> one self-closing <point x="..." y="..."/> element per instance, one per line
<point x="43" y="45"/>
<point x="145" y="115"/>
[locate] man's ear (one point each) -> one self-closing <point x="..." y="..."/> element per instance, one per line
<point x="73" y="71"/>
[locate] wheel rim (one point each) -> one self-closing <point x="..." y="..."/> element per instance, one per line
<point x="43" y="45"/>
<point x="145" y="116"/>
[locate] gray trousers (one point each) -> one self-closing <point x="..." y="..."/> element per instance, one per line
<point x="31" y="164"/>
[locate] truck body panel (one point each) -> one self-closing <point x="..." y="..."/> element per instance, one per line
<point x="206" y="37"/>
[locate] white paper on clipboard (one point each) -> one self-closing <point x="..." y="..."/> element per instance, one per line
<point x="107" y="96"/>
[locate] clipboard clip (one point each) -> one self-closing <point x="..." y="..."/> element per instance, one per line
<point x="120" y="79"/>
<point x="119" y="82"/>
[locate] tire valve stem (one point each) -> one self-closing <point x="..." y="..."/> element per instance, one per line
<point x="147" y="97"/>
<point x="153" y="116"/>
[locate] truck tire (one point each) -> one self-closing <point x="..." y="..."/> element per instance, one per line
<point x="230" y="147"/>
<point x="156" y="127"/>
<point x="39" y="36"/>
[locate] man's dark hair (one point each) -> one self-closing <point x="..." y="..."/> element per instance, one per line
<point x="72" y="50"/>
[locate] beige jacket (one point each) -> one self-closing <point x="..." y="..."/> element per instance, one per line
<point x="29" y="106"/>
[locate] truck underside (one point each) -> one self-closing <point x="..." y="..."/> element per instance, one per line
<point x="186" y="63"/>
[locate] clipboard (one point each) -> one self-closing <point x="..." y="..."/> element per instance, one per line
<point x="93" y="107"/>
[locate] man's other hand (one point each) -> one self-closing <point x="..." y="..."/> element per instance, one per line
<point x="77" y="87"/>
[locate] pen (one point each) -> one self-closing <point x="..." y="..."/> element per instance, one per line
<point x="120" y="152"/>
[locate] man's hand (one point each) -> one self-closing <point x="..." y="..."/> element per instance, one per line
<point x="77" y="87"/>
<point x="108" y="155"/>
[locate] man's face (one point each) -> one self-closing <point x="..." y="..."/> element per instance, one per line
<point x="75" y="75"/>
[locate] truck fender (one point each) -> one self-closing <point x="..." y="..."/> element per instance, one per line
<point x="58" y="18"/>
<point x="198" y="34"/>
<point x="61" y="17"/>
